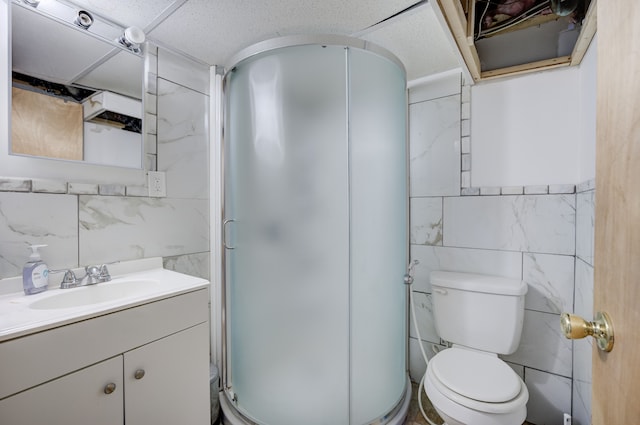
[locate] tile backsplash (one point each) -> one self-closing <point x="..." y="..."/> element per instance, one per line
<point x="541" y="234"/>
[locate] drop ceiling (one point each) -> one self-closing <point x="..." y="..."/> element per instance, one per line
<point x="213" y="31"/>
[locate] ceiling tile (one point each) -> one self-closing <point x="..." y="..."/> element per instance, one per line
<point x="126" y="12"/>
<point x="213" y="31"/>
<point x="419" y="41"/>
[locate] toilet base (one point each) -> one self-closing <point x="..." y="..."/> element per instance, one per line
<point x="454" y="414"/>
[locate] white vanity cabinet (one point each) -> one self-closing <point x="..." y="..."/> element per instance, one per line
<point x="164" y="381"/>
<point x="148" y="364"/>
<point x="77" y="398"/>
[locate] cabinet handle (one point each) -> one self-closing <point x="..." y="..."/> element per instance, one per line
<point x="139" y="374"/>
<point x="109" y="388"/>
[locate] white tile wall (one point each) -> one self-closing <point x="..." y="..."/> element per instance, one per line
<point x="482" y="261"/>
<point x="37" y="218"/>
<point x="15" y="184"/>
<point x="191" y="264"/>
<point x="443" y="87"/>
<point x="424" y="318"/>
<point x="183" y="148"/>
<point x="582" y="382"/>
<point x="426" y="221"/>
<point x="549" y="397"/>
<point x="584" y="289"/>
<point x="183" y="71"/>
<point x="121" y="228"/>
<point x="543" y="346"/>
<point x="48" y="186"/>
<point x="434" y="152"/>
<point x="583" y="348"/>
<point x="532" y="223"/>
<point x="550" y="279"/>
<point x="585" y="221"/>
<point x="417" y="366"/>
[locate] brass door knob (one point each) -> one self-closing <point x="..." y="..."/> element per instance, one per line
<point x="575" y="327"/>
<point x="139" y="374"/>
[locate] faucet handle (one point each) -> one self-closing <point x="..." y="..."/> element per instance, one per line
<point x="69" y="280"/>
<point x="104" y="273"/>
<point x="93" y="271"/>
<point x="92" y="275"/>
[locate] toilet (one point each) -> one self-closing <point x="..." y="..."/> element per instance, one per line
<point x="481" y="316"/>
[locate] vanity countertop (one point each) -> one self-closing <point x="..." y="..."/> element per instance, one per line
<point x="21" y="315"/>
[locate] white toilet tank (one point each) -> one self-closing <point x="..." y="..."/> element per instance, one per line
<point x="478" y="311"/>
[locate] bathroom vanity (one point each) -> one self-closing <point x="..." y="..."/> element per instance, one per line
<point x="136" y="357"/>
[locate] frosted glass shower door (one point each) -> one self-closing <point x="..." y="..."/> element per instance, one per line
<point x="378" y="173"/>
<point x="287" y="260"/>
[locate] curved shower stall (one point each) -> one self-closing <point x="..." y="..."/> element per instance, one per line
<point x="315" y="235"/>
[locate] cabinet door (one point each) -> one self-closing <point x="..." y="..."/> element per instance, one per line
<point x="168" y="380"/>
<point x="78" y="398"/>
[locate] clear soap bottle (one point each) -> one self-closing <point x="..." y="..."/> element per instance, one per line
<point x="35" y="273"/>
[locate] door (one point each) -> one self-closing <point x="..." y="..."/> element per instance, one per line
<point x="287" y="257"/>
<point x="616" y="375"/>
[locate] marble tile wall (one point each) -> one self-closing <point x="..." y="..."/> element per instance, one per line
<point x="182" y="127"/>
<point x="583" y="303"/>
<point x="543" y="235"/>
<point x="37" y="218"/>
<point x="89" y="223"/>
<point x="435" y="153"/>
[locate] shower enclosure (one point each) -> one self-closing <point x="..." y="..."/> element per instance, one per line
<point x="315" y="235"/>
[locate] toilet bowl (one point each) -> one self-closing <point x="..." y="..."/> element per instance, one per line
<point x="481" y="316"/>
<point x="467" y="387"/>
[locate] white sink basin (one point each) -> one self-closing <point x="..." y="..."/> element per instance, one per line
<point x="95" y="294"/>
<point x="133" y="283"/>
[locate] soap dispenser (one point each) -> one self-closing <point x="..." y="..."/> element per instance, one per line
<point x="35" y="274"/>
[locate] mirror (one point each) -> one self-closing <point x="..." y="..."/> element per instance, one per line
<point x="77" y="86"/>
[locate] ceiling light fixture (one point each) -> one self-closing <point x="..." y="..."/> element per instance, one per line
<point x="83" y="19"/>
<point x="132" y="38"/>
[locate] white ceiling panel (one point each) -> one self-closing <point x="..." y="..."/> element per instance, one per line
<point x="418" y="40"/>
<point x="213" y="31"/>
<point x="127" y="13"/>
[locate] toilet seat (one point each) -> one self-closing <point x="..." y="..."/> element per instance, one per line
<point x="477" y="380"/>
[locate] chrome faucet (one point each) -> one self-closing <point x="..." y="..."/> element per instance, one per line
<point x="93" y="275"/>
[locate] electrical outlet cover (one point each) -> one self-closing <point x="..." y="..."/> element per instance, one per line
<point x="157" y="184"/>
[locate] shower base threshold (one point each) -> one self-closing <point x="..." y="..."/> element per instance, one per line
<point x="230" y="416"/>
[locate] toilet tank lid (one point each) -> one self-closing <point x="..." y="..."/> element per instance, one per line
<point x="478" y="283"/>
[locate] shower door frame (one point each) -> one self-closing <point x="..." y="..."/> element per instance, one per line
<point x="222" y="349"/>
